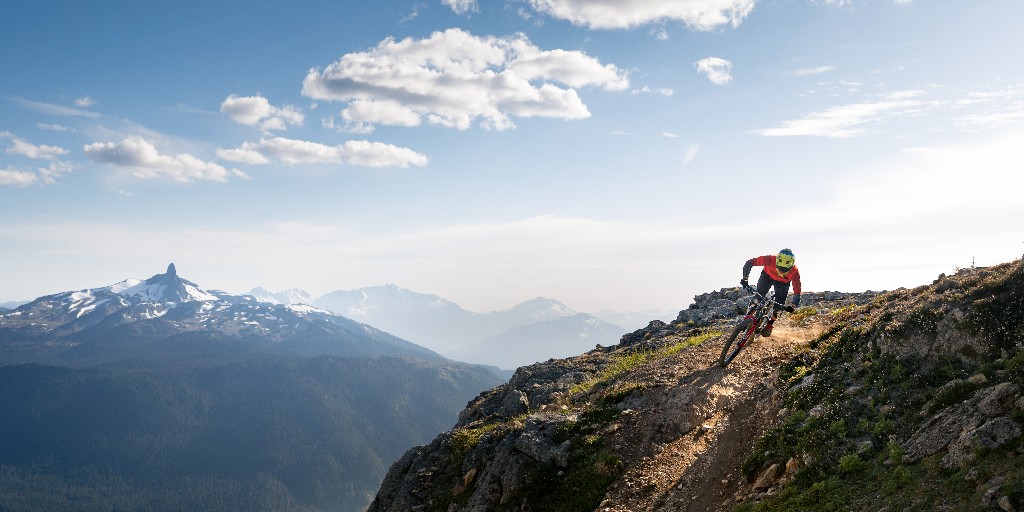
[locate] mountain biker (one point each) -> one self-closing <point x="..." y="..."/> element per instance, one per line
<point x="779" y="270"/>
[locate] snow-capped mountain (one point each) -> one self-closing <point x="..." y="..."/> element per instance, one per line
<point x="293" y="296"/>
<point x="140" y="318"/>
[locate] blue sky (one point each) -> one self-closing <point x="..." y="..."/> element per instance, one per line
<point x="612" y="155"/>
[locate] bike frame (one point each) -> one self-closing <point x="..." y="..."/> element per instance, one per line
<point x="759" y="312"/>
<point x="756" y="318"/>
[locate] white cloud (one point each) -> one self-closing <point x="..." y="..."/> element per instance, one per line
<point x="56" y="110"/>
<point x="16" y="178"/>
<point x="454" y="79"/>
<point x="53" y="127"/>
<point x="991" y="109"/>
<point x="361" y="115"/>
<point x="849" y="120"/>
<point x="54" y="170"/>
<point x="664" y="91"/>
<point x="812" y="71"/>
<point x="257" y="111"/>
<point x="934" y="218"/>
<point x="244" y="155"/>
<point x="718" y="70"/>
<point x="354" y="152"/>
<point x="145" y="161"/>
<point x="42" y="152"/>
<point x="696" y="14"/>
<point x="415" y="13"/>
<point x="462" y="6"/>
<point x="85" y="101"/>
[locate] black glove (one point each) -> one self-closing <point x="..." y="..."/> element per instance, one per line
<point x="796" y="300"/>
<point x="744" y="283"/>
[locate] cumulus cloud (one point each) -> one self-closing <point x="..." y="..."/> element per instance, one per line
<point x="54" y="170"/>
<point x="16" y="178"/>
<point x="354" y="152"/>
<point x="145" y="161"/>
<point x="848" y="120"/>
<point x="718" y="70"/>
<point x="695" y="14"/>
<point x="360" y="116"/>
<point x="42" y="152"/>
<point x="257" y="111"/>
<point x="462" y="6"/>
<point x="454" y="78"/>
<point x="85" y="102"/>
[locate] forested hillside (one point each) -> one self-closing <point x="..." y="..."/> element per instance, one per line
<point x="270" y="433"/>
<point x="158" y="395"/>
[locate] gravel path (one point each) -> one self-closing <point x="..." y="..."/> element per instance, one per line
<point x="699" y="422"/>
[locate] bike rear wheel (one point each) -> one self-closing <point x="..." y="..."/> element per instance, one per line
<point x="740" y="333"/>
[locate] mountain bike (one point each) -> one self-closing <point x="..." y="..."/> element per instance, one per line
<point x="756" y="318"/>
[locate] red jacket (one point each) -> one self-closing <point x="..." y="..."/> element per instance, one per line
<point x="768" y="262"/>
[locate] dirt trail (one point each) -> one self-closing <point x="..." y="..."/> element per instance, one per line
<point x="702" y="422"/>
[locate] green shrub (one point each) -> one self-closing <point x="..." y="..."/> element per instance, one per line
<point x="852" y="463"/>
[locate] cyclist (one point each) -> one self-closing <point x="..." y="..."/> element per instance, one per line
<point x="779" y="270"/>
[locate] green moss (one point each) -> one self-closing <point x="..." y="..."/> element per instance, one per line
<point x="465" y="439"/>
<point x="584" y="484"/>
<point x="800" y="316"/>
<point x="624" y="363"/>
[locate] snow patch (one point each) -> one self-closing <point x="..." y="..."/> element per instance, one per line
<point x="303" y="309"/>
<point x="87" y="309"/>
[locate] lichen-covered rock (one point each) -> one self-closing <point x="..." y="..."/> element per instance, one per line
<point x="538" y="439"/>
<point x="959" y="423"/>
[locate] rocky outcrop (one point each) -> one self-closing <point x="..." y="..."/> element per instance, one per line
<point x="727" y="303"/>
<point x="979" y="422"/>
<point x="653" y="423"/>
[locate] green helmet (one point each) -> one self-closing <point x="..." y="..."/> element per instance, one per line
<point x="785" y="260"/>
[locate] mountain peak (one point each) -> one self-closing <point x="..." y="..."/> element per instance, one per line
<point x="167" y="287"/>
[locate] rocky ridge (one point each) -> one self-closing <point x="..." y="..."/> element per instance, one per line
<point x="854" y="398"/>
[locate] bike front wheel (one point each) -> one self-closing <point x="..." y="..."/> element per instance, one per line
<point x="739" y="333"/>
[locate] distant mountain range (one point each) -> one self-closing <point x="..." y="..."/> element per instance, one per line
<point x="527" y="344"/>
<point x="158" y="395"/>
<point x="137" y="319"/>
<point x="535" y="330"/>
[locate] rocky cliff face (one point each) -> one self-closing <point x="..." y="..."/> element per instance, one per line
<point x="867" y="401"/>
